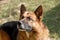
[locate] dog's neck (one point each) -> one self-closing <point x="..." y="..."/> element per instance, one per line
<point x="40" y="30"/>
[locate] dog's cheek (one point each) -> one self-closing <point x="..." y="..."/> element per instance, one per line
<point x="35" y="25"/>
<point x="30" y="23"/>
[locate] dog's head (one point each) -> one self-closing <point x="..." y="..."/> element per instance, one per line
<point x="28" y="19"/>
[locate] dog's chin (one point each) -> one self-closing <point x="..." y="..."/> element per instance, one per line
<point x="24" y="30"/>
<point x="21" y="30"/>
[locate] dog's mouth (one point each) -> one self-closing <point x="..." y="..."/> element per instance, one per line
<point x="24" y="26"/>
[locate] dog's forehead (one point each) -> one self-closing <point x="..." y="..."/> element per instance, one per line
<point x="28" y="13"/>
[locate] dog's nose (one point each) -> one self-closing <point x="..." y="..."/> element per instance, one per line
<point x="19" y="25"/>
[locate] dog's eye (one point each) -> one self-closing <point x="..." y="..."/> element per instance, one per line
<point x="27" y="13"/>
<point x="22" y="17"/>
<point x="28" y="18"/>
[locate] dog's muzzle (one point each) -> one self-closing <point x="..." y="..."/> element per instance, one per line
<point x="24" y="26"/>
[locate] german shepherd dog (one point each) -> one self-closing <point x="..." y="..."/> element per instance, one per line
<point x="29" y="27"/>
<point x="33" y="22"/>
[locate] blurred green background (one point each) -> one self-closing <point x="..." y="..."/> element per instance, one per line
<point x="9" y="10"/>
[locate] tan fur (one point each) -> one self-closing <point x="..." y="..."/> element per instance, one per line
<point x="35" y="34"/>
<point x="4" y="35"/>
<point x="39" y="31"/>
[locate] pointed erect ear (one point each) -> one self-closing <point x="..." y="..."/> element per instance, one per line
<point x="22" y="10"/>
<point x="38" y="12"/>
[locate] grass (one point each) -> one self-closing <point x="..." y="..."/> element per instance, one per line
<point x="51" y="10"/>
<point x="52" y="20"/>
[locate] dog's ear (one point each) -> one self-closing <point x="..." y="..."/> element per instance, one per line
<point x="22" y="10"/>
<point x="38" y="12"/>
